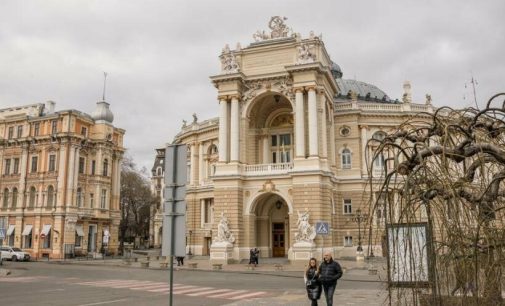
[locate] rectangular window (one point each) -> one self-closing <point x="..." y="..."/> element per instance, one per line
<point x="77" y="240"/>
<point x="93" y="167"/>
<point x="34" y="164"/>
<point x="52" y="163"/>
<point x="274" y="140"/>
<point x="11" y="132"/>
<point x="91" y="200"/>
<point x="274" y="157"/>
<point x="82" y="163"/>
<point x="54" y="127"/>
<point x="347" y="206"/>
<point x="103" y="199"/>
<point x="36" y="129"/>
<point x="28" y="241"/>
<point x="46" y="244"/>
<point x="208" y="209"/>
<point x="20" y="131"/>
<point x="7" y="167"/>
<point x="348" y="241"/>
<point x="84" y="131"/>
<point x="15" y="169"/>
<point x="285" y="139"/>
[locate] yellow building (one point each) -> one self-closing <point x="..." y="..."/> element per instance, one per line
<point x="288" y="152"/>
<point x="59" y="187"/>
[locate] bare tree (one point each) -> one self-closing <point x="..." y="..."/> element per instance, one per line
<point x="447" y="169"/>
<point x="136" y="202"/>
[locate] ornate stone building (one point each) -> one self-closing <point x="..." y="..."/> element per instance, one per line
<point x="59" y="187"/>
<point x="288" y="150"/>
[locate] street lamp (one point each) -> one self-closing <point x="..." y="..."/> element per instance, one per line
<point x="190" y="233"/>
<point x="359" y="217"/>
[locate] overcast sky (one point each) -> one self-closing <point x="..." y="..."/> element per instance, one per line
<point x="160" y="54"/>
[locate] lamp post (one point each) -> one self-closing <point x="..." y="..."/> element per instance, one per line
<point x="190" y="233"/>
<point x="359" y="217"/>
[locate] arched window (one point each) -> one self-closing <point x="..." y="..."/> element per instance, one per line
<point x="105" y="167"/>
<point x="14" y="197"/>
<point x="79" y="197"/>
<point x="346" y="158"/>
<point x="50" y="196"/>
<point x="380" y="135"/>
<point x="158" y="171"/>
<point x="6" y="198"/>
<point x="379" y="162"/>
<point x="33" y="193"/>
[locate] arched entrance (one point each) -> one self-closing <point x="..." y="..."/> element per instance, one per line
<point x="271" y="225"/>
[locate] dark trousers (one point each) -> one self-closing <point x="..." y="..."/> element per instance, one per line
<point x="314" y="303"/>
<point x="329" y="290"/>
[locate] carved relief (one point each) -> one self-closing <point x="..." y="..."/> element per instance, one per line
<point x="228" y="61"/>
<point x="283" y="86"/>
<point x="282" y="120"/>
<point x="269" y="186"/>
<point x="224" y="233"/>
<point x="306" y="232"/>
<point x="306" y="54"/>
<point x="278" y="27"/>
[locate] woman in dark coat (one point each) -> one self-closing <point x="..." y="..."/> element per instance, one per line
<point x="312" y="282"/>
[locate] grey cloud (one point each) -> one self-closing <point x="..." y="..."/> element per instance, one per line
<point x="160" y="54"/>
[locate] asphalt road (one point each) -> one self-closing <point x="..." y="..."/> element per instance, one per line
<point x="40" y="283"/>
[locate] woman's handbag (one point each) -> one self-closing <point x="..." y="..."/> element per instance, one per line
<point x="311" y="282"/>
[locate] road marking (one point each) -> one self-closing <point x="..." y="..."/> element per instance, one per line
<point x="106" y="302"/>
<point x="152" y="286"/>
<point x="189" y="290"/>
<point x="248" y="295"/>
<point x="168" y="288"/>
<point x="23" y="279"/>
<point x="183" y="291"/>
<point x="210" y="292"/>
<point x="224" y="295"/>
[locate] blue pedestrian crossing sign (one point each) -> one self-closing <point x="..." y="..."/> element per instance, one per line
<point x="322" y="228"/>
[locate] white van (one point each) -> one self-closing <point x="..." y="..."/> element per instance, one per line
<point x="13" y="254"/>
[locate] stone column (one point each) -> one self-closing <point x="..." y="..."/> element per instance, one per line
<point x="300" y="123"/>
<point x="324" y="126"/>
<point x="312" y="106"/>
<point x="71" y="174"/>
<point x="223" y="131"/>
<point x="192" y="171"/>
<point x="234" y="130"/>
<point x="331" y="144"/>
<point x="364" y="138"/>
<point x="200" y="164"/>
<point x="62" y="169"/>
<point x="22" y="178"/>
<point x="266" y="150"/>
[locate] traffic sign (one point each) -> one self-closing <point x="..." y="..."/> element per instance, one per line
<point x="322" y="228"/>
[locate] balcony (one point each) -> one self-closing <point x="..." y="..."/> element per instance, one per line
<point x="267" y="169"/>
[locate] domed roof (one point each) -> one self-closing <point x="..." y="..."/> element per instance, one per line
<point x="336" y="71"/>
<point x="363" y="90"/>
<point x="102" y="112"/>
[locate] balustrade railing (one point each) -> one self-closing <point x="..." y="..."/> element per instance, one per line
<point x="264" y="169"/>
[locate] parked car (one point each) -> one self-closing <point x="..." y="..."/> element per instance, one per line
<point x="13" y="254"/>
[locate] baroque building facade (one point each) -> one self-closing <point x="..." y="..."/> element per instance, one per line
<point x="59" y="187"/>
<point x="289" y="151"/>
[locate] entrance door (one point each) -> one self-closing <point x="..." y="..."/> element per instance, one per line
<point x="92" y="238"/>
<point x="278" y="248"/>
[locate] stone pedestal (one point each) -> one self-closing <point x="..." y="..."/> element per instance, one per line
<point x="221" y="253"/>
<point x="302" y="252"/>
